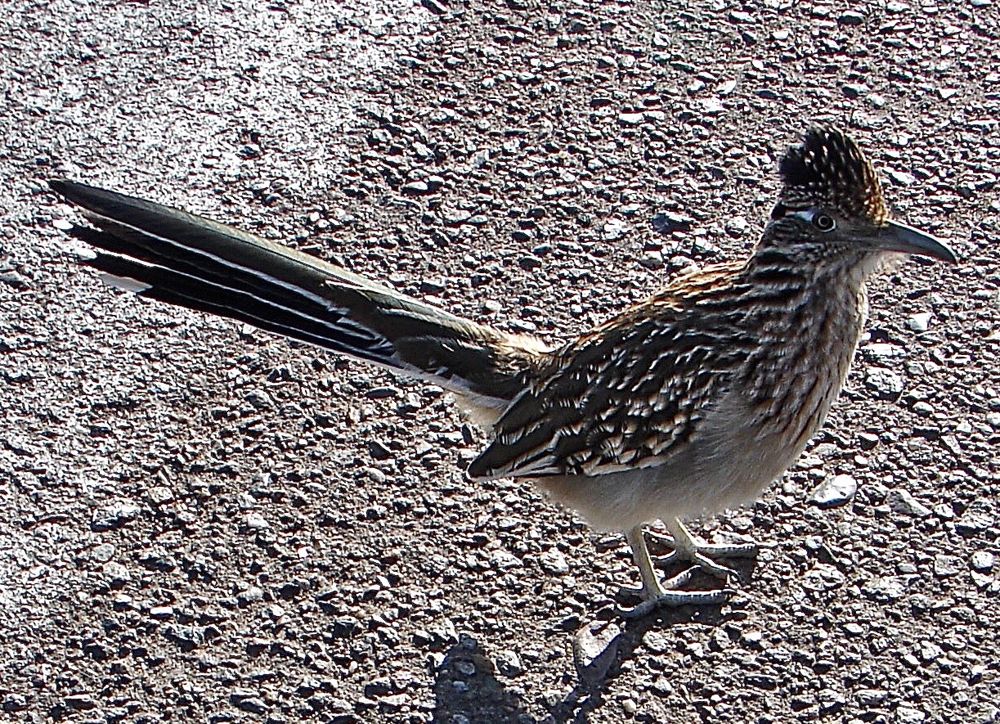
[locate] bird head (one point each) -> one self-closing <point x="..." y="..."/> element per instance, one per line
<point x="832" y="205"/>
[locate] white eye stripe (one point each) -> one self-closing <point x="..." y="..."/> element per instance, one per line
<point x="810" y="216"/>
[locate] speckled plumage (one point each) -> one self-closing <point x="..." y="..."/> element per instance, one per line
<point x="689" y="402"/>
<point x="634" y="391"/>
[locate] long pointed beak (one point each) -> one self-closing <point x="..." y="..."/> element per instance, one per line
<point x="895" y="236"/>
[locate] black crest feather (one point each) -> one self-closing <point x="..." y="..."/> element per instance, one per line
<point x="829" y="169"/>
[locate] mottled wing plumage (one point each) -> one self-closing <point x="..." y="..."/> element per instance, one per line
<point x="627" y="395"/>
<point x="829" y="168"/>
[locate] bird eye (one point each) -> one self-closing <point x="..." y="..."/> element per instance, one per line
<point x="824" y="222"/>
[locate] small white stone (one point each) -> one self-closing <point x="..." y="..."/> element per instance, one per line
<point x="554" y="562"/>
<point x="838" y="490"/>
<point x="982" y="561"/>
<point x="919" y="322"/>
<point x="256" y="521"/>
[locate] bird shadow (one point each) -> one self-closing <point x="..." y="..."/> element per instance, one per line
<point x="614" y="642"/>
<point x="467" y="687"/>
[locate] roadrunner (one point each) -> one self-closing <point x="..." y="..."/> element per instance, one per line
<point x="683" y="405"/>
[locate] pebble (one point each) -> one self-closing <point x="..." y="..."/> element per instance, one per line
<point x="946" y="566"/>
<point x="80" y="702"/>
<point x="737" y="226"/>
<point x="14" y="702"/>
<point x="13" y="279"/>
<point x="431" y="286"/>
<point x="834" y="491"/>
<point x="871" y="698"/>
<point x="465" y="668"/>
<point x="595" y="647"/>
<point x="830" y="700"/>
<point x="614" y="229"/>
<point x="982" y="561"/>
<point x="116" y="574"/>
<point x="653" y="260"/>
<point x="885" y="589"/>
<point x="103" y="553"/>
<point x="712" y="106"/>
<point x="260" y="399"/>
<point x="886" y="384"/>
<point x="160" y="494"/>
<point x="504" y="560"/>
<point x="901" y="178"/>
<point x="972" y="523"/>
<point x="867" y="440"/>
<point x="554" y="562"/>
<point x="252" y="594"/>
<point x="944" y="511"/>
<point x="909" y="715"/>
<point x="416" y="188"/>
<point x="883" y="352"/>
<point x="919" y="322"/>
<point x="669" y="222"/>
<point x="509" y="663"/>
<point x="248" y="702"/>
<point x="658" y="642"/>
<point x="823" y="577"/>
<point x="256" y="521"/>
<point x="161" y="612"/>
<point x="114" y="516"/>
<point x="901" y="501"/>
<point x="929" y="651"/>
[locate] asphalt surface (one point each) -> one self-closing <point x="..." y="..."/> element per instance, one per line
<point x="203" y="522"/>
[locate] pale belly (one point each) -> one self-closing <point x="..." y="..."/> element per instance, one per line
<point x="739" y="450"/>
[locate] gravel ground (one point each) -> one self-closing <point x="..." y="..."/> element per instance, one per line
<point x="203" y="522"/>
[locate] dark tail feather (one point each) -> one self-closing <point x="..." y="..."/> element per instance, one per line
<point x="183" y="259"/>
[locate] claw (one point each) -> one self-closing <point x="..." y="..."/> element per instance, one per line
<point x="672" y="599"/>
<point x="667" y="594"/>
<point x="717" y="550"/>
<point x="687" y="547"/>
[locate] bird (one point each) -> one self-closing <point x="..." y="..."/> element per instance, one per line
<point x="683" y="405"/>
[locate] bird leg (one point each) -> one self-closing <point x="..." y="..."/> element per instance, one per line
<point x="655" y="594"/>
<point x="687" y="547"/>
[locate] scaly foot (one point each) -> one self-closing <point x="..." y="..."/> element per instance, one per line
<point x="669" y="595"/>
<point x="688" y="548"/>
<point x="654" y="594"/>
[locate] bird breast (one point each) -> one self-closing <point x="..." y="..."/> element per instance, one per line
<point x="748" y="437"/>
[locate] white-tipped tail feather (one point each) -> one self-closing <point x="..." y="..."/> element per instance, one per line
<point x="176" y="257"/>
<point x="126" y="284"/>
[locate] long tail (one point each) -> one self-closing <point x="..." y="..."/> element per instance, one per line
<point x="183" y="259"/>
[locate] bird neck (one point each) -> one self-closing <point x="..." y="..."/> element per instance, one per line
<point x="807" y="323"/>
<point x="828" y="272"/>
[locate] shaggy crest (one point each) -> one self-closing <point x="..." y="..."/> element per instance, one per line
<point x="828" y="169"/>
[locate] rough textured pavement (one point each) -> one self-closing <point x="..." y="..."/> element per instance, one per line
<point x="203" y="522"/>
